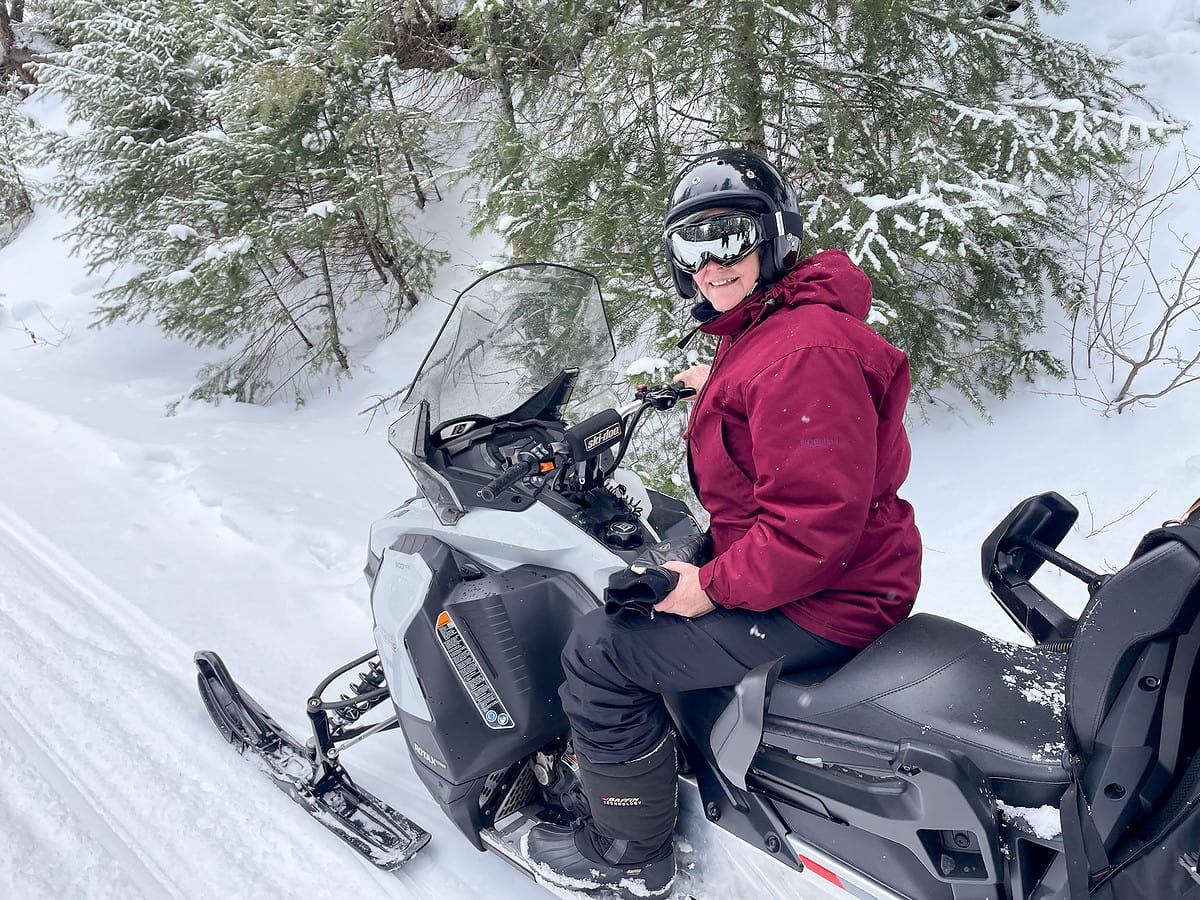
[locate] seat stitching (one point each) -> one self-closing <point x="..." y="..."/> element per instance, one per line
<point x="958" y="738"/>
<point x="923" y="678"/>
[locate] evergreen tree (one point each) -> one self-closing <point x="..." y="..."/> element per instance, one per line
<point x="936" y="142"/>
<point x="16" y="138"/>
<point x="253" y="166"/>
<point x="17" y="134"/>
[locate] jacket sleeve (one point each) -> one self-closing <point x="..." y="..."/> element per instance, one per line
<point x="813" y="430"/>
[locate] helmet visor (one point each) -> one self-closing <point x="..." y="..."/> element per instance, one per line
<point x="725" y="239"/>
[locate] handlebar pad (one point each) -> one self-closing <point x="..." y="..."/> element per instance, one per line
<point x="593" y="436"/>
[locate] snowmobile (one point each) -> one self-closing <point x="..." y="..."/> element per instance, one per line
<point x="910" y="771"/>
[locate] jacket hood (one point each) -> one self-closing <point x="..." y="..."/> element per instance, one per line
<point x="830" y="278"/>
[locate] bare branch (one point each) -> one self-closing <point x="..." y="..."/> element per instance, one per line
<point x="1135" y="336"/>
<point x="1100" y="529"/>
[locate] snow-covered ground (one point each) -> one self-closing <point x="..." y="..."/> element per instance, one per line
<point x="128" y="539"/>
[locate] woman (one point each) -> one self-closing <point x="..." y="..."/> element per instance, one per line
<point x="796" y="446"/>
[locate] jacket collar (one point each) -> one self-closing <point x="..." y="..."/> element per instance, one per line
<point x="829" y="278"/>
<point x="753" y="308"/>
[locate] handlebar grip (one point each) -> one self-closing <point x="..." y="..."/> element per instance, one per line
<point x="683" y="392"/>
<point x="506" y="479"/>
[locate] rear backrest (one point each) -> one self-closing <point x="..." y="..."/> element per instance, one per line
<point x="1132" y="683"/>
<point x="1153" y="599"/>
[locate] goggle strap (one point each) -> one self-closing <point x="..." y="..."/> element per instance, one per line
<point x="687" y="338"/>
<point x="781" y="225"/>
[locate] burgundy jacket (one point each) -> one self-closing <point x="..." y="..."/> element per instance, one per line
<point x="797" y="448"/>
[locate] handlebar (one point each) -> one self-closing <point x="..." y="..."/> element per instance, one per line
<point x="506" y="479"/>
<point x="661" y="396"/>
<point x="676" y="391"/>
<point x="610" y="429"/>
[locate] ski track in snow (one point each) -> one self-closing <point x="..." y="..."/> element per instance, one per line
<point x="40" y="630"/>
<point x="94" y="696"/>
<point x="98" y="856"/>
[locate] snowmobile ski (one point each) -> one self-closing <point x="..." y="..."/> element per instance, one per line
<point x="381" y="834"/>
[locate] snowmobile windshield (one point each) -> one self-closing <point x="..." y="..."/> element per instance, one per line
<point x="530" y="341"/>
<point x="508" y="336"/>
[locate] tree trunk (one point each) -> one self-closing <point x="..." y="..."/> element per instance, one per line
<point x="748" y="80"/>
<point x="412" y="172"/>
<point x="7" y="39"/>
<point x="510" y="162"/>
<point x="14" y="57"/>
<point x="331" y="318"/>
<point x="287" y="313"/>
<point x="416" y="182"/>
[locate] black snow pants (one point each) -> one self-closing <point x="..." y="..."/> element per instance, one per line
<point x="618" y="667"/>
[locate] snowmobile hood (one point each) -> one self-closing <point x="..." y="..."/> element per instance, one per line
<point x="829" y="278"/>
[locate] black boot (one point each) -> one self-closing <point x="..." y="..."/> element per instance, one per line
<point x="626" y="842"/>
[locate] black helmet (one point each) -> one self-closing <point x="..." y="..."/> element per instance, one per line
<point x="738" y="179"/>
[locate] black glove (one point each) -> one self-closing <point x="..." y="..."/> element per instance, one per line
<point x="646" y="582"/>
<point x="638" y="588"/>
<point x="695" y="549"/>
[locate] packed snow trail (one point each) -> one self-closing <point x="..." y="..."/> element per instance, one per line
<point x="66" y="828"/>
<point x="95" y="697"/>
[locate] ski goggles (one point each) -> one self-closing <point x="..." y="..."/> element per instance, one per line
<point x="725" y="239"/>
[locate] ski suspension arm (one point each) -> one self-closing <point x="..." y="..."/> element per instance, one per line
<point x="369" y="691"/>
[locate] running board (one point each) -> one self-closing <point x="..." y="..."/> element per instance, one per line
<point x="505" y="840"/>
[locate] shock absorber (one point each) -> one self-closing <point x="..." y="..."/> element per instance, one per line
<point x="369" y="681"/>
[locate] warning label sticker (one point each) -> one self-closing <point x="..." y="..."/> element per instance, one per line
<point x="471" y="674"/>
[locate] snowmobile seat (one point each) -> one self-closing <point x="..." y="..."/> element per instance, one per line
<point x="940" y="682"/>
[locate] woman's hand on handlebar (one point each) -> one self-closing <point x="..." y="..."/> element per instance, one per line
<point x="694" y="377"/>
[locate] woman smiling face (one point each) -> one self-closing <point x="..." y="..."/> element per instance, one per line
<point x="727" y="286"/>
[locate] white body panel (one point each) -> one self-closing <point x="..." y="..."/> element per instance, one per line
<point x="497" y="538"/>
<point x="535" y="536"/>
